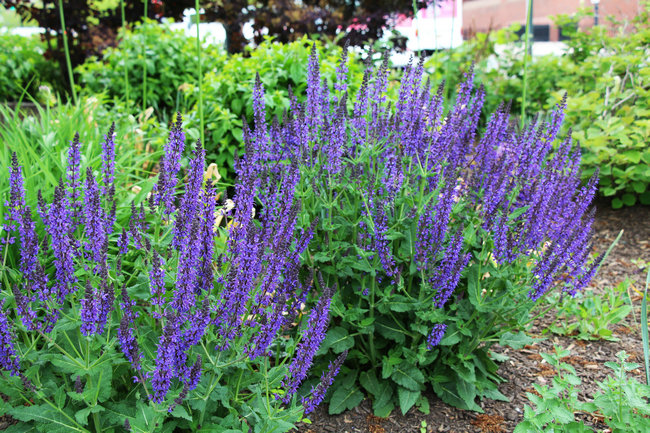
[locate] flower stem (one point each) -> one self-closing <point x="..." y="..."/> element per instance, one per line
<point x="67" y="52"/>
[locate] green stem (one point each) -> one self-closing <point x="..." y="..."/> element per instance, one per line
<point x="67" y="53"/>
<point x="200" y="73"/>
<point x="371" y="336"/>
<point x="126" y="69"/>
<point x="144" y="61"/>
<point x="417" y="21"/>
<point x="62" y="350"/>
<point x="529" y="12"/>
<point x="98" y="424"/>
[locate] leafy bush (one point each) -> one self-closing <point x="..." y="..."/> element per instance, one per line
<point x="621" y="403"/>
<point x="171" y="59"/>
<point x="227" y="91"/>
<point x="439" y="243"/>
<point x="131" y="322"/>
<point x="23" y="67"/>
<point x="608" y="80"/>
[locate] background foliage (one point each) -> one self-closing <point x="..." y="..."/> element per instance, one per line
<point x="171" y="64"/>
<point x="24" y="67"/>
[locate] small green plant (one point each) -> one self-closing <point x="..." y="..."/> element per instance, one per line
<point x="590" y="315"/>
<point x="621" y="403"/>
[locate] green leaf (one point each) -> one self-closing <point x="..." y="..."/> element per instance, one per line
<point x="180" y="412"/>
<point x="44" y="416"/>
<point x="338" y="340"/>
<point x="390" y="329"/>
<point x="409" y="376"/>
<point x="385" y="410"/>
<point x="494" y="394"/>
<point x="381" y="391"/>
<point x="407" y="398"/>
<point x="82" y="415"/>
<point x="516" y="341"/>
<point x="467" y="391"/>
<point x="344" y="398"/>
<point x="473" y="290"/>
<point x="628" y="199"/>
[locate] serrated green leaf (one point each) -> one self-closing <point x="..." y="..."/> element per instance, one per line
<point x="408" y="376"/>
<point x="407" y="398"/>
<point x="344" y="398"/>
<point x="337" y="339"/>
<point x="516" y="341"/>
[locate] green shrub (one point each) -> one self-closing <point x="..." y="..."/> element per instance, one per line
<point x="227" y="91"/>
<point x="23" y="67"/>
<point x="128" y="320"/>
<point x="608" y="82"/>
<point x="590" y="315"/>
<point x="171" y="58"/>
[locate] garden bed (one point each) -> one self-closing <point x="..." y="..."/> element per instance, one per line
<point x="526" y="366"/>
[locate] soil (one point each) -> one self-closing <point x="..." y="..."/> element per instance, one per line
<point x="526" y="367"/>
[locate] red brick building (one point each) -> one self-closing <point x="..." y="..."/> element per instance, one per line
<point x="485" y="15"/>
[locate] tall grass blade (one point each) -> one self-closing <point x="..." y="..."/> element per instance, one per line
<point x="644" y="329"/>
<point x="609" y="250"/>
<point x="144" y="60"/>
<point x="200" y="72"/>
<point x="67" y="52"/>
<point x="126" y="68"/>
<point x="529" y="18"/>
<point x="451" y="47"/>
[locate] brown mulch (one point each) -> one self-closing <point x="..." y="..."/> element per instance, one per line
<point x="526" y="367"/>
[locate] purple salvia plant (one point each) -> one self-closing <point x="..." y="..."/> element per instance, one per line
<point x="73" y="180"/>
<point x="58" y="224"/>
<point x="126" y="332"/>
<point x="189" y="208"/>
<point x="90" y="310"/>
<point x="157" y="283"/>
<point x="170" y="165"/>
<point x="94" y="220"/>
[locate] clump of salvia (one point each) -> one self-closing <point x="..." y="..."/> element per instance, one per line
<point x="527" y="192"/>
<point x="243" y="297"/>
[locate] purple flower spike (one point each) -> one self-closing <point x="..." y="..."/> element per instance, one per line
<point x="108" y="162"/>
<point x="327" y="378"/>
<point x="312" y="337"/>
<point x="437" y="332"/>
<point x="8" y="358"/>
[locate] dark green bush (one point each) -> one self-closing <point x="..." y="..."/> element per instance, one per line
<point x="171" y="62"/>
<point x="23" y="67"/>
